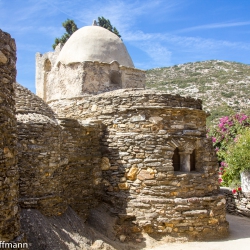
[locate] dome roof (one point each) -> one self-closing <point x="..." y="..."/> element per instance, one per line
<point x="94" y="43"/>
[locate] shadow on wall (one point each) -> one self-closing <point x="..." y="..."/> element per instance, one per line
<point x="112" y="217"/>
<point x="141" y="187"/>
<point x="81" y="174"/>
<point x="39" y="158"/>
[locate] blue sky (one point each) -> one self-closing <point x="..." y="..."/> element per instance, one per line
<point x="157" y="33"/>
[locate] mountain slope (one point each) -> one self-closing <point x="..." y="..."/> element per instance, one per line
<point x="223" y="86"/>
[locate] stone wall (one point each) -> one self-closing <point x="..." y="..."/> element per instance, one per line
<point x="81" y="176"/>
<point x="58" y="159"/>
<point x="142" y="129"/>
<point x="238" y="203"/>
<point x="39" y="158"/>
<point x="78" y="79"/>
<point x="123" y="100"/>
<point x="9" y="212"/>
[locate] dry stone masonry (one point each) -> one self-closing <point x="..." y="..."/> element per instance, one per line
<point x="96" y="137"/>
<point x="81" y="174"/>
<point x="9" y="211"/>
<point x="58" y="158"/>
<point x="141" y="178"/>
<point x="39" y="158"/>
<point x="238" y="203"/>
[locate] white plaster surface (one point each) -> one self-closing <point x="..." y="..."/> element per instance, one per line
<point x="245" y="181"/>
<point x="94" y="43"/>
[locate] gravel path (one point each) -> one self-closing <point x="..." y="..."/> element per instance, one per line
<point x="68" y="232"/>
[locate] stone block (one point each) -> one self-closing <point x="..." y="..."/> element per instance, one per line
<point x="3" y="58"/>
<point x="155" y="119"/>
<point x="131" y="175"/>
<point x="145" y="175"/>
<point x="123" y="185"/>
<point x="105" y="164"/>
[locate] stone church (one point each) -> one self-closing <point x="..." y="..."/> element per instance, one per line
<point x="94" y="136"/>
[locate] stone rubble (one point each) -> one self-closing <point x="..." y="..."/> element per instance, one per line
<point x="238" y="203"/>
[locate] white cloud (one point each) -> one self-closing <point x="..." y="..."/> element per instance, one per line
<point x="33" y="11"/>
<point x="183" y="41"/>
<point x="214" y="26"/>
<point x="158" y="53"/>
<point x="51" y="31"/>
<point x="162" y="48"/>
<point x="27" y="17"/>
<point x="122" y="14"/>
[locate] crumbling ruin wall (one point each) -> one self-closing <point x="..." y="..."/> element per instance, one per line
<point x="9" y="212"/>
<point x="39" y="159"/>
<point x="58" y="158"/>
<point x="143" y="128"/>
<point x="44" y="64"/>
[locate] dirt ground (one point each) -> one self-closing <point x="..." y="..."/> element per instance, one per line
<point x="239" y="239"/>
<point x="69" y="232"/>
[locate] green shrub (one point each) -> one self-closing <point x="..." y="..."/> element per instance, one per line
<point x="227" y="138"/>
<point x="227" y="94"/>
<point x="237" y="158"/>
<point x="219" y="111"/>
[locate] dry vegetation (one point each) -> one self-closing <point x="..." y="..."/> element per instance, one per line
<point x="223" y="86"/>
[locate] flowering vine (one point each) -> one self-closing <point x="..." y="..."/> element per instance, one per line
<point x="224" y="136"/>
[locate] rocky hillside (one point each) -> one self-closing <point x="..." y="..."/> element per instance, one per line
<point x="223" y="86"/>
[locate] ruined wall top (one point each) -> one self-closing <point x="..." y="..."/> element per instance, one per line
<point x="27" y="102"/>
<point x="133" y="98"/>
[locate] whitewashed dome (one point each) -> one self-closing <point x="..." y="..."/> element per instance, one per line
<point x="94" y="43"/>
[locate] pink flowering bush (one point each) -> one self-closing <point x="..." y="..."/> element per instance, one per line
<point x="224" y="137"/>
<point x="238" y="158"/>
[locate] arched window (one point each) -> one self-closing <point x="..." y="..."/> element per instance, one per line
<point x="192" y="161"/>
<point x="176" y="160"/>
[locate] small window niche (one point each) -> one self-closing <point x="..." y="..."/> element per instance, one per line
<point x="176" y="160"/>
<point x="115" y="78"/>
<point x="183" y="161"/>
<point x="192" y="161"/>
<point x="47" y="65"/>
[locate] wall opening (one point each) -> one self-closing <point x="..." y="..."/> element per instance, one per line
<point x="47" y="69"/>
<point x="192" y="161"/>
<point x="47" y="65"/>
<point x="176" y="160"/>
<point x="115" y="78"/>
